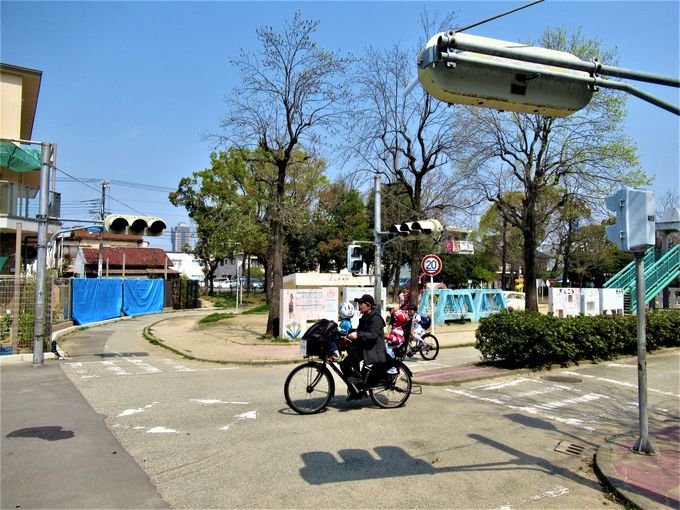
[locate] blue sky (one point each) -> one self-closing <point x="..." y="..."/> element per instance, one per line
<point x="129" y="88"/>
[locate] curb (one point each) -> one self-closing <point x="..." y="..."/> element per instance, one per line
<point x="605" y="473"/>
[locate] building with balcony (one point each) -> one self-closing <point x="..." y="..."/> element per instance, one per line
<point x="20" y="168"/>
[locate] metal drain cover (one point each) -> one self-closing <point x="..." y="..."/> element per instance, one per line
<point x="569" y="448"/>
<point x="561" y="378"/>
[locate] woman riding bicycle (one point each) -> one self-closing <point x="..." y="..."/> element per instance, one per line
<point x="367" y="340"/>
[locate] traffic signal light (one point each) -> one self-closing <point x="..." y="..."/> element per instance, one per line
<point x="415" y="230"/>
<point x="464" y="69"/>
<point x="134" y="225"/>
<point x="635" y="219"/>
<point x="355" y="261"/>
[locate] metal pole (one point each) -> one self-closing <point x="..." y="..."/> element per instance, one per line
<point x="102" y="213"/>
<point x="17" y="290"/>
<point x="41" y="265"/>
<point x="642" y="445"/>
<point x="432" y="302"/>
<point x="377" y="272"/>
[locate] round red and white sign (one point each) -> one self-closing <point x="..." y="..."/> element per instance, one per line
<point x="431" y="265"/>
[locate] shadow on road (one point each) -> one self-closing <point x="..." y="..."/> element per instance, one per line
<point x="356" y="464"/>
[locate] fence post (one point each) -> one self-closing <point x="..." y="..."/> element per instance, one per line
<point x="17" y="289"/>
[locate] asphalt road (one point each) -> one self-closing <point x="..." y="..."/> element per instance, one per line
<point x="210" y="435"/>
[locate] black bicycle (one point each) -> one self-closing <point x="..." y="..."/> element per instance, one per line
<point x="310" y="387"/>
<point x="428" y="348"/>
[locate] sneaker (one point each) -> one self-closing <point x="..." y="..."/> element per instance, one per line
<point x="392" y="371"/>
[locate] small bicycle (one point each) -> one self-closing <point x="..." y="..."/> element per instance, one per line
<point x="310" y="387"/>
<point x="428" y="350"/>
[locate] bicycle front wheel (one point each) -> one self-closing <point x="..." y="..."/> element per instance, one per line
<point x="395" y="390"/>
<point x="430" y="350"/>
<point x="309" y="388"/>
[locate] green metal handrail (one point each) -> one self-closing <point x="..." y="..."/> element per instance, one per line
<point x="658" y="276"/>
<point x="625" y="279"/>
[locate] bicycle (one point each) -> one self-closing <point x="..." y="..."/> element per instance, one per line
<point x="428" y="350"/>
<point x="310" y="387"/>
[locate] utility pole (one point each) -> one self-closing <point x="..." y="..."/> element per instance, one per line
<point x="41" y="266"/>
<point x="377" y="271"/>
<point x="102" y="215"/>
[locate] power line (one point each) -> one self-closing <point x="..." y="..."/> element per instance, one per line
<point x="82" y="181"/>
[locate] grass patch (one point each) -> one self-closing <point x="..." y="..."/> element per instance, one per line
<point x="256" y="310"/>
<point x="214" y="317"/>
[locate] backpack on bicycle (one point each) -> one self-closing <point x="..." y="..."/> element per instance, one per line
<point x="317" y="336"/>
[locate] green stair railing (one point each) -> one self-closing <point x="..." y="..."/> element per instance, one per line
<point x="658" y="276"/>
<point x="625" y="279"/>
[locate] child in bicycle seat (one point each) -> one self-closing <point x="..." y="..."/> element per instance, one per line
<point x="395" y="338"/>
<point x="417" y="330"/>
<point x="346" y="312"/>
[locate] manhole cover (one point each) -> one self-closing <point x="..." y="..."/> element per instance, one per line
<point x="569" y="448"/>
<point x="561" y="378"/>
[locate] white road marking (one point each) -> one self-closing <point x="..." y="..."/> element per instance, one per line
<point x="529" y="410"/>
<point x="129" y="412"/>
<point x="552" y="493"/>
<point x="250" y="415"/>
<point x="620" y="383"/>
<point x="161" y="430"/>
<point x="498" y="386"/>
<point x="215" y="401"/>
<point x="620" y="365"/>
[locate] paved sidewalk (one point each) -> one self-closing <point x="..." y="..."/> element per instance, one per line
<point x="645" y="481"/>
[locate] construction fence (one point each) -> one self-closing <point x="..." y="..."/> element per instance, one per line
<point x="17" y="308"/>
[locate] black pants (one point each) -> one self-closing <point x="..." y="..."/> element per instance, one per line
<point x="351" y="365"/>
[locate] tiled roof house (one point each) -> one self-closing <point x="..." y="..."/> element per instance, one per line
<point x="124" y="261"/>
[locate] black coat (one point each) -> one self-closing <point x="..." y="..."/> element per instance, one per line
<point x="372" y="336"/>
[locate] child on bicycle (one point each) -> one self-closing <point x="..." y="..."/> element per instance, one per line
<point x="417" y="330"/>
<point x="346" y="312"/>
<point x="395" y="339"/>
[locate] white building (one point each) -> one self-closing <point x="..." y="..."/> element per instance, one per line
<point x="187" y="265"/>
<point x="228" y="268"/>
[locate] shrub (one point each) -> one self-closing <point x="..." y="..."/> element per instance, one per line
<point x="532" y="340"/>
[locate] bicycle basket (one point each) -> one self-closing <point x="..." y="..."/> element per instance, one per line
<point x="315" y="340"/>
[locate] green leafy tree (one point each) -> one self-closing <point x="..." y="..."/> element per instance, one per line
<point x="585" y="154"/>
<point x="290" y="94"/>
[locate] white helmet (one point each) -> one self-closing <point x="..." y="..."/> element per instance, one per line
<point x="346" y="311"/>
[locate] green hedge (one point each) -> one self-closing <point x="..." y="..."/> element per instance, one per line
<point x="528" y="339"/>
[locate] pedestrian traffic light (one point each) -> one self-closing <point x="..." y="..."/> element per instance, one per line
<point x="134" y="225"/>
<point x="355" y="260"/>
<point x="416" y="230"/>
<point x="634" y="229"/>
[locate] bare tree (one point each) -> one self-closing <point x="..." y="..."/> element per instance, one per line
<point x="584" y="155"/>
<point x="290" y="92"/>
<point x="408" y="139"/>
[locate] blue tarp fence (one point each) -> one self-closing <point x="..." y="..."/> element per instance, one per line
<point x="97" y="299"/>
<point x="142" y="296"/>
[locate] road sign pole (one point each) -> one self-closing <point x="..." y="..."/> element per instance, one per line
<point x="643" y="445"/>
<point x="432" y="302"/>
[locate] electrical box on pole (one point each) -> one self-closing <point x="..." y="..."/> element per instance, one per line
<point x="635" y="228"/>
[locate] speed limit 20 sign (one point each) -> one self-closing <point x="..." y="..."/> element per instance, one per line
<point x="431" y="265"/>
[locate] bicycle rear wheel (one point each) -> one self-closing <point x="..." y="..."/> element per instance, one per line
<point x="395" y="390"/>
<point x="430" y="350"/>
<point x="309" y="388"/>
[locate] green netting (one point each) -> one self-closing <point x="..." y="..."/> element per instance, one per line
<point x="18" y="159"/>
